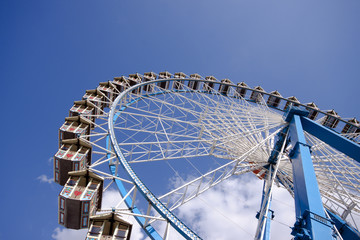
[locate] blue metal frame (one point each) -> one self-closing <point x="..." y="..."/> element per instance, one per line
<point x="346" y="231"/>
<point x="332" y="138"/>
<point x="269" y="217"/>
<point x="312" y="222"/>
<point x="345" y="146"/>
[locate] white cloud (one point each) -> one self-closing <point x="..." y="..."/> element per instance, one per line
<point x="45" y="179"/>
<point x="283" y="206"/>
<point x="228" y="211"/>
<point x="111" y="197"/>
<point x="68" y="234"/>
<point x="224" y="212"/>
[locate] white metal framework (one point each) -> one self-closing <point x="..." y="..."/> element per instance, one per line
<point x="167" y="141"/>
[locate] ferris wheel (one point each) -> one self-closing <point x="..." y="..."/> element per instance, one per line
<point x="164" y="139"/>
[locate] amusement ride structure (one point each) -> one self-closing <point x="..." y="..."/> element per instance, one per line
<point x="164" y="139"/>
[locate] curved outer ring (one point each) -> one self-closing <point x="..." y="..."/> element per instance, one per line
<point x="156" y="204"/>
<point x="149" y="196"/>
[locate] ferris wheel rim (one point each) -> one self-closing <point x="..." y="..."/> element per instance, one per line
<point x="112" y="116"/>
<point x="182" y="228"/>
<point x="111" y="119"/>
<point x="129" y="90"/>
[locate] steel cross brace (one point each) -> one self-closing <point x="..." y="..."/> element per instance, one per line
<point x="312" y="222"/>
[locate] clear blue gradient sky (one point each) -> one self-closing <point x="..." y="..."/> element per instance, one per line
<point x="51" y="51"/>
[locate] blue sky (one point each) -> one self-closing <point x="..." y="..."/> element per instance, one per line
<point x="52" y="51"/>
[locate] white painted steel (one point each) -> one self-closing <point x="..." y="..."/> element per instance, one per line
<point x="187" y="126"/>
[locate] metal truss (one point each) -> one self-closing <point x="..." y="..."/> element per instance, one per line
<point x="166" y="146"/>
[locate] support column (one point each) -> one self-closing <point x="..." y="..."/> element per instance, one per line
<point x="265" y="214"/>
<point x="312" y="222"/>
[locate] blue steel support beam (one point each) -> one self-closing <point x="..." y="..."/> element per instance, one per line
<point x="347" y="232"/>
<point x="332" y="138"/>
<point x="311" y="219"/>
<point x="345" y="146"/>
<point x="270" y="216"/>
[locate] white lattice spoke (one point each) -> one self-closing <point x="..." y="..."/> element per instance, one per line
<point x="168" y="137"/>
<point x="338" y="178"/>
<point x="197" y="186"/>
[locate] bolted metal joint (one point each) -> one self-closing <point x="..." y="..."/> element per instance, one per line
<point x="299" y="231"/>
<point x="288" y="115"/>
